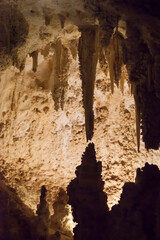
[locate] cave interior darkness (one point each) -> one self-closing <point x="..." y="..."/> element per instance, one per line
<point x="60" y="60"/>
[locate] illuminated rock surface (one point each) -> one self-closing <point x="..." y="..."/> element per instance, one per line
<point x="55" y="90"/>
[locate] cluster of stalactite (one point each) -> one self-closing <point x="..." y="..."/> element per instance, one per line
<point x="139" y="50"/>
<point x="143" y="73"/>
<point x="58" y="77"/>
<point x="142" y="68"/>
<point x="88" y="201"/>
<point x="88" y="57"/>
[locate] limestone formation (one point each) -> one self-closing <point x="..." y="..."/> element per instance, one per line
<point x="34" y="56"/>
<point x="88" y="57"/>
<point x="59" y="74"/>
<point x="61" y="211"/>
<point x="43" y="214"/>
<point x="137" y="215"/>
<point x="88" y="201"/>
<point x="43" y="115"/>
<point x="116" y="59"/>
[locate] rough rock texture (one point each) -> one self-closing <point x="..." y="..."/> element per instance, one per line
<point x="42" y="146"/>
<point x="42" y="124"/>
<point x="88" y="201"/>
<point x="137" y="215"/>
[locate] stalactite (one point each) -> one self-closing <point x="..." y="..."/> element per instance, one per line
<point x="103" y="59"/>
<point x="88" y="201"/>
<point x="62" y="20"/>
<point x="59" y="76"/>
<point x="143" y="70"/>
<point x="34" y="56"/>
<point x="117" y="65"/>
<point x="122" y="84"/>
<point x="115" y="58"/>
<point x="88" y="56"/>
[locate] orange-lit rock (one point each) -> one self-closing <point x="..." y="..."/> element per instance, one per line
<point x="42" y="119"/>
<point x="42" y="146"/>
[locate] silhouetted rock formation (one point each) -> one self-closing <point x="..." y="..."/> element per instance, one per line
<point x="88" y="201"/>
<point x="137" y="216"/>
<point x="142" y="69"/>
<point x="43" y="214"/>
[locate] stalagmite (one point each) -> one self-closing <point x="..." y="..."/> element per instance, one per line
<point x="43" y="214"/>
<point x="59" y="220"/>
<point x="88" y="56"/>
<point x="137" y="216"/>
<point x="88" y="201"/>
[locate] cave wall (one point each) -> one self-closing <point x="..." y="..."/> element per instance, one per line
<point x="42" y="122"/>
<point x="37" y="140"/>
